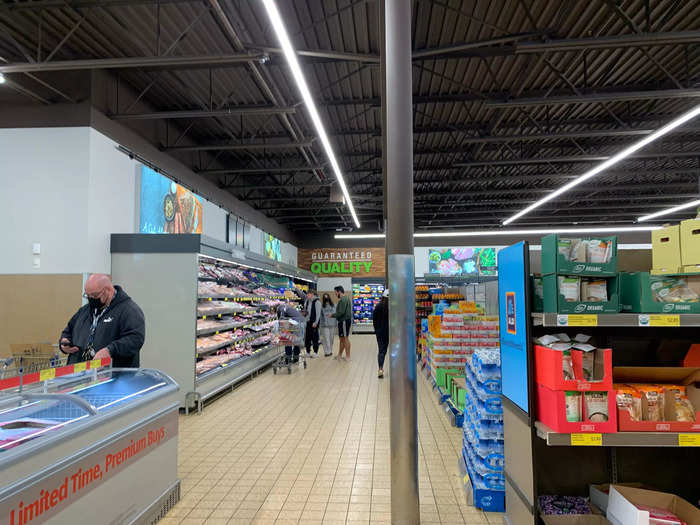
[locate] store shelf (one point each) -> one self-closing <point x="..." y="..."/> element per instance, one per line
<point x="621" y="320"/>
<point x="245" y="338"/>
<point x="231" y="326"/>
<point x="618" y="439"/>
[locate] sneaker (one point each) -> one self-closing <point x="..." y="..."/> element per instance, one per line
<point x="381" y="373"/>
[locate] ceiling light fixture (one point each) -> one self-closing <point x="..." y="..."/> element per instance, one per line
<point x="668" y="211"/>
<point x="685" y="117"/>
<point x="290" y="55"/>
<point x="524" y="232"/>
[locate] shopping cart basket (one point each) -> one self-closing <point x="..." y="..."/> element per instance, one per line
<point x="289" y="333"/>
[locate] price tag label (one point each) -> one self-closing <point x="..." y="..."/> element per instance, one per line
<point x="219" y="316"/>
<point x="659" y="320"/>
<point x="47" y="374"/>
<point x="586" y="440"/>
<point x="216" y="333"/>
<point x="204" y="317"/>
<point x="689" y="440"/>
<point x="210" y="298"/>
<point x="79" y="367"/>
<point x="465" y="479"/>
<point x="95" y="363"/>
<point x="577" y="320"/>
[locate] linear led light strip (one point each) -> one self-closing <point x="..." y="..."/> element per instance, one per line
<point x="290" y="55"/>
<point x="685" y="117"/>
<point x="668" y="211"/>
<point x="486" y="233"/>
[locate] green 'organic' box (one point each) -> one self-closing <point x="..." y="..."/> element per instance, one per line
<point x="555" y="262"/>
<point x="554" y="302"/>
<point x="636" y="295"/>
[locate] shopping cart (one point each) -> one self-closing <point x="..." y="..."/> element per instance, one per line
<point x="289" y="333"/>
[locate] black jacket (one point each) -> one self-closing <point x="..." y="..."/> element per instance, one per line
<point x="121" y="329"/>
<point x="380" y="320"/>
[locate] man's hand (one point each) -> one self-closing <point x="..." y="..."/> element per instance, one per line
<point x="103" y="354"/>
<point x="67" y="348"/>
<point x="315" y="325"/>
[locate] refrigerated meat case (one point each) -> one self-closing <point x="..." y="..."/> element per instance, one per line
<point x="204" y="328"/>
<point x="98" y="445"/>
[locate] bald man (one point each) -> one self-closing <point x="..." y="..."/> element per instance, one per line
<point x="110" y="325"/>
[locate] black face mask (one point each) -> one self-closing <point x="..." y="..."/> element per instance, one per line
<point x="95" y="303"/>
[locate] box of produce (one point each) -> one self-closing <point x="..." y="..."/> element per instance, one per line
<point x="629" y="505"/>
<point x="666" y="250"/>
<point x="657" y="399"/>
<point x="573" y="294"/>
<point x="577" y="412"/>
<point x="690" y="242"/>
<point x="564" y="364"/>
<point x="641" y="292"/>
<point x="579" y="256"/>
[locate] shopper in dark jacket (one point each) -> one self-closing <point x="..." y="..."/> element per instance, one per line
<point x="380" y="320"/>
<point x="110" y="325"/>
<point x="312" y="312"/>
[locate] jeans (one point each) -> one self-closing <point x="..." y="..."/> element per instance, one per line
<point x="311" y="338"/>
<point x="327" y="336"/>
<point x="383" y="346"/>
<point x="288" y="353"/>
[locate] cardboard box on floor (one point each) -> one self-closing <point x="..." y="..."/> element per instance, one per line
<point x="600" y="494"/>
<point x="623" y="511"/>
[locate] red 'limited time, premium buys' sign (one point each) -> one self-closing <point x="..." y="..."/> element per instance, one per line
<point x="44" y="499"/>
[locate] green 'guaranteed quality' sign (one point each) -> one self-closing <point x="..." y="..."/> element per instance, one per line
<point x="340" y="267"/>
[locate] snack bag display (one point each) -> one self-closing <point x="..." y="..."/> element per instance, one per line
<point x="630" y="399"/>
<point x="570" y="288"/>
<point x="667" y="289"/>
<point x="596" y="406"/>
<point x="578" y="250"/>
<point x="598" y="251"/>
<point x="594" y="291"/>
<point x="567" y="365"/>
<point x="564" y="248"/>
<point x="654" y="397"/>
<point x="573" y="407"/>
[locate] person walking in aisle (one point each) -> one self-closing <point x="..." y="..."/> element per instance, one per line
<point x="380" y="320"/>
<point x="312" y="312"/>
<point x="343" y="313"/>
<point x="328" y="325"/>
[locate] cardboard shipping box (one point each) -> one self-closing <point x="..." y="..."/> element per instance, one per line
<point x="622" y="509"/>
<point x="666" y="250"/>
<point x="690" y="242"/>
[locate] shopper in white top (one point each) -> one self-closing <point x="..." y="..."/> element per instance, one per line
<point x="312" y="312"/>
<point x="328" y="325"/>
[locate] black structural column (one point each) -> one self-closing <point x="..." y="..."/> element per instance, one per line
<point x="401" y="267"/>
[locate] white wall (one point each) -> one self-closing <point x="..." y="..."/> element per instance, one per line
<point x="44" y="180"/>
<point x="290" y="253"/>
<point x="326" y="284"/>
<point x="256" y="241"/>
<point x="213" y="221"/>
<point x="112" y="195"/>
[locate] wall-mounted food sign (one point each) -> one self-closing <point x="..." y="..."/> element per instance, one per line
<point x="336" y="262"/>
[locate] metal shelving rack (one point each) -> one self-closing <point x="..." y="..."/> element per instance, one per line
<point x="540" y="461"/>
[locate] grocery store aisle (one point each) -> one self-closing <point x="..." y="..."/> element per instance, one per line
<point x="313" y="447"/>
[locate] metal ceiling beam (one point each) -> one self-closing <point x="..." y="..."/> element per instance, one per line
<point x="162" y="62"/>
<point x="84" y="4"/>
<point x="261" y="171"/>
<point x="590" y="98"/>
<point x="446" y="50"/>
<point x="241" y="147"/>
<point x="578" y="158"/>
<point x="605" y="42"/>
<point x="318" y="53"/>
<point x="234" y="111"/>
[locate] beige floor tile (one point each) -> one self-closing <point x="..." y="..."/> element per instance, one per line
<point x="325" y="458"/>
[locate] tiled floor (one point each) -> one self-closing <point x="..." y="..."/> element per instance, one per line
<point x="313" y="448"/>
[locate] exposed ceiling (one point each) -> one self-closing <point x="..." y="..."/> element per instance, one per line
<point x="511" y="99"/>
